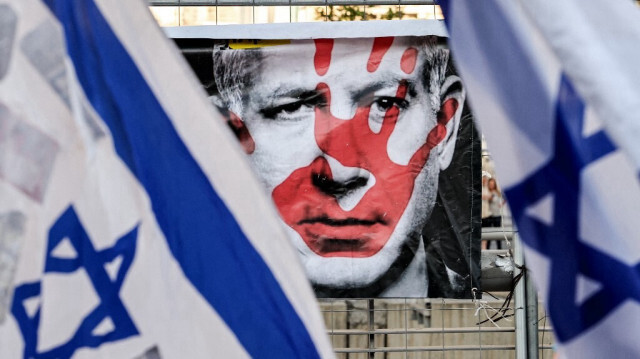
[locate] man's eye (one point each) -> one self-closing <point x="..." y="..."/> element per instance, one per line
<point x="290" y="107"/>
<point x="285" y="110"/>
<point x="295" y="110"/>
<point x="386" y="103"/>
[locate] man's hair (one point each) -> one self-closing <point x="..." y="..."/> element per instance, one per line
<point x="434" y="68"/>
<point x="234" y="71"/>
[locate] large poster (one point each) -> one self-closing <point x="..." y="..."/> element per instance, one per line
<point x="367" y="148"/>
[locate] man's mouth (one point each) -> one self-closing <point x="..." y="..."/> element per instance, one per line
<point x="344" y="237"/>
<point x="334" y="222"/>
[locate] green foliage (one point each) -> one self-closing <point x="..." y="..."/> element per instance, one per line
<point x="391" y="15"/>
<point x="352" y="13"/>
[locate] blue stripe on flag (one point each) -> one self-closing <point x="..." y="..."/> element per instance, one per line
<point x="202" y="234"/>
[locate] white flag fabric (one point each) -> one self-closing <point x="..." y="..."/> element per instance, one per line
<point x="130" y="223"/>
<point x="555" y="86"/>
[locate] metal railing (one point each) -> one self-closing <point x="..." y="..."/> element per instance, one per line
<point x="426" y="328"/>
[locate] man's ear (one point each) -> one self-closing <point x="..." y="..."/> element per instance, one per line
<point x="235" y="123"/>
<point x="452" y="96"/>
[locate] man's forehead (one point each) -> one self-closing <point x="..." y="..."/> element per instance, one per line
<point x="347" y="64"/>
<point x="343" y="49"/>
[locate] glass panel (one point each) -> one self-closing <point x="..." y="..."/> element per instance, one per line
<point x="421" y="12"/>
<point x="272" y="14"/>
<point x="197" y="15"/>
<point x="165" y="15"/>
<point x="384" y="12"/>
<point x="235" y="15"/>
<point x="438" y="12"/>
<point x="342" y="13"/>
<point x="307" y="13"/>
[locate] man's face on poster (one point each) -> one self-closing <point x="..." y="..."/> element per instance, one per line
<point x="348" y="137"/>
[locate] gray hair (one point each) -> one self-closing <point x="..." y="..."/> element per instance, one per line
<point x="434" y="69"/>
<point x="233" y="72"/>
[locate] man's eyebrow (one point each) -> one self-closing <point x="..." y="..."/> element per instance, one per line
<point x="392" y="81"/>
<point x="297" y="92"/>
<point x="286" y="94"/>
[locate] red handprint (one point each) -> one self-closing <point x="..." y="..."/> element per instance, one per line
<point x="309" y="204"/>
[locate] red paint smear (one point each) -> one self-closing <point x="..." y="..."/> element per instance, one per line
<point x="322" y="58"/>
<point x="380" y="47"/>
<point x="408" y="60"/>
<point x="353" y="144"/>
<point x="242" y="133"/>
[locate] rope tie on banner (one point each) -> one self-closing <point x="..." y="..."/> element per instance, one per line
<point x="482" y="305"/>
<point x="502" y="312"/>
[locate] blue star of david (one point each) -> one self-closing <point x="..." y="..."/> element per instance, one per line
<point x="560" y="241"/>
<point x="69" y="226"/>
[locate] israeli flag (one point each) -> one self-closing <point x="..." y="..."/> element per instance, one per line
<point x="556" y="88"/>
<point x="130" y="223"/>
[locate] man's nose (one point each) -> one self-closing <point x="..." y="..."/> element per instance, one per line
<point x="347" y="184"/>
<point x="338" y="188"/>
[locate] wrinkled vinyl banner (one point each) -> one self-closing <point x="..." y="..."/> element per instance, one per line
<point x="368" y="150"/>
